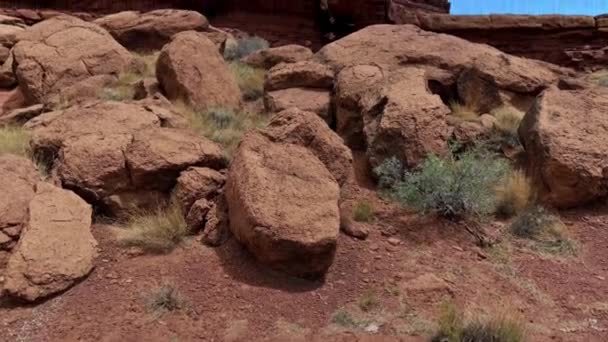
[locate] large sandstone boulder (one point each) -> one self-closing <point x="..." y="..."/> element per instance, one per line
<point x="150" y="30"/>
<point x="56" y="248"/>
<point x="18" y="178"/>
<point x="268" y="58"/>
<point x="190" y="68"/>
<point x="565" y="135"/>
<point x="306" y="74"/>
<point x="313" y="100"/>
<point x="283" y="206"/>
<point x="407" y="121"/>
<point x="61" y="51"/>
<point x="307" y="129"/>
<point x="395" y="46"/>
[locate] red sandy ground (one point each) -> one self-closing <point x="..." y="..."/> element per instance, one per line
<point x="232" y="298"/>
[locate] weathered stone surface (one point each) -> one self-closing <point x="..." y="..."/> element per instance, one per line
<point x="150" y="30"/>
<point x="59" y="52"/>
<point x="145" y="88"/>
<point x="18" y="178"/>
<point x="306" y="74"/>
<point x="56" y="248"/>
<point x="157" y="156"/>
<point x="317" y="101"/>
<point x="353" y="84"/>
<point x="8" y="34"/>
<point x="7" y="77"/>
<point x="197" y="215"/>
<point x="197" y="183"/>
<point x="478" y="92"/>
<point x="565" y="136"/>
<point x="407" y="121"/>
<point x="307" y="129"/>
<point x="268" y="58"/>
<point x="394" y="46"/>
<point x="283" y="206"/>
<point x="190" y="68"/>
<point x="217" y="228"/>
<point x="21" y="115"/>
<point x="123" y="204"/>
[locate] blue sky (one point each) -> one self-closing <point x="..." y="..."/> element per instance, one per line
<point x="589" y="7"/>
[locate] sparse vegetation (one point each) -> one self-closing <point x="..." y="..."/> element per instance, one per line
<point x="123" y="89"/>
<point x="363" y="212"/>
<point x="464" y="112"/>
<point x="369" y="301"/>
<point x="502" y="328"/>
<point x="453" y="187"/>
<point x="159" y="231"/>
<point x="344" y="319"/>
<point x="164" y="298"/>
<point x="222" y="125"/>
<point x="507" y="124"/>
<point x="15" y="140"/>
<point x="600" y="78"/>
<point x="514" y="193"/>
<point x="250" y="80"/>
<point x="546" y="230"/>
<point x="244" y="47"/>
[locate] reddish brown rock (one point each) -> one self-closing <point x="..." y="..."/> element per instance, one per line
<point x="59" y="52"/>
<point x="150" y="30"/>
<point x="217" y="228"/>
<point x="307" y="74"/>
<point x="57" y="247"/>
<point x="307" y="129"/>
<point x="126" y="203"/>
<point x="197" y="183"/>
<point x="190" y="68"/>
<point x="197" y="215"/>
<point x="283" y="206"/>
<point x="307" y="99"/>
<point x="8" y="34"/>
<point x="268" y="58"/>
<point x="565" y="135"/>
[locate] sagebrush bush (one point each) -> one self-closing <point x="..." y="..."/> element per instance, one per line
<point x="545" y="229"/>
<point x="15" y="140"/>
<point x="463" y="112"/>
<point x="158" y="231"/>
<point x="451" y="187"/>
<point x="363" y="212"/>
<point x="514" y="193"/>
<point x="250" y="80"/>
<point x="505" y="327"/>
<point x="222" y="125"/>
<point x="244" y="47"/>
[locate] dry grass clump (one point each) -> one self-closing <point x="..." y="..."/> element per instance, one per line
<point x="123" y="88"/>
<point x="15" y="140"/>
<point x="243" y="47"/>
<point x="514" y="194"/>
<point x="344" y="318"/>
<point x="250" y="80"/>
<point x="504" y="327"/>
<point x="507" y="120"/>
<point x="159" y="231"/>
<point x="363" y="212"/>
<point x="546" y="230"/>
<point x="164" y="298"/>
<point x="464" y="112"/>
<point x="222" y="125"/>
<point x="369" y="302"/>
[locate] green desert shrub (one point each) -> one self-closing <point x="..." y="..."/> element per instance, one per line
<point x="158" y="231"/>
<point x="244" y="47"/>
<point x="250" y="80"/>
<point x="453" y="187"/>
<point x="546" y="230"/>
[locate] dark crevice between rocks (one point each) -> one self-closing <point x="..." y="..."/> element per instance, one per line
<point x="447" y="91"/>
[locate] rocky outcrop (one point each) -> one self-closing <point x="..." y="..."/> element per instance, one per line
<point x="308" y="130"/>
<point x="150" y="30"/>
<point x="565" y="136"/>
<point x="573" y="41"/>
<point x="283" y="205"/>
<point x="56" y="248"/>
<point x="190" y="68"/>
<point x="60" y="52"/>
<point x="313" y="100"/>
<point x="198" y="183"/>
<point x="18" y="178"/>
<point x="307" y="74"/>
<point x="268" y="58"/>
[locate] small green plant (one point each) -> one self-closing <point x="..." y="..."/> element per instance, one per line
<point x="369" y="301"/>
<point x="159" y="231"/>
<point x="464" y="112"/>
<point x="344" y="318"/>
<point x="504" y="327"/>
<point x="600" y="78"/>
<point x="250" y="80"/>
<point x="546" y="230"/>
<point x="222" y="125"/>
<point x="514" y="193"/>
<point x="451" y="187"/>
<point x="363" y="212"/>
<point x="15" y="140"/>
<point x="244" y="47"/>
<point x="165" y="298"/>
